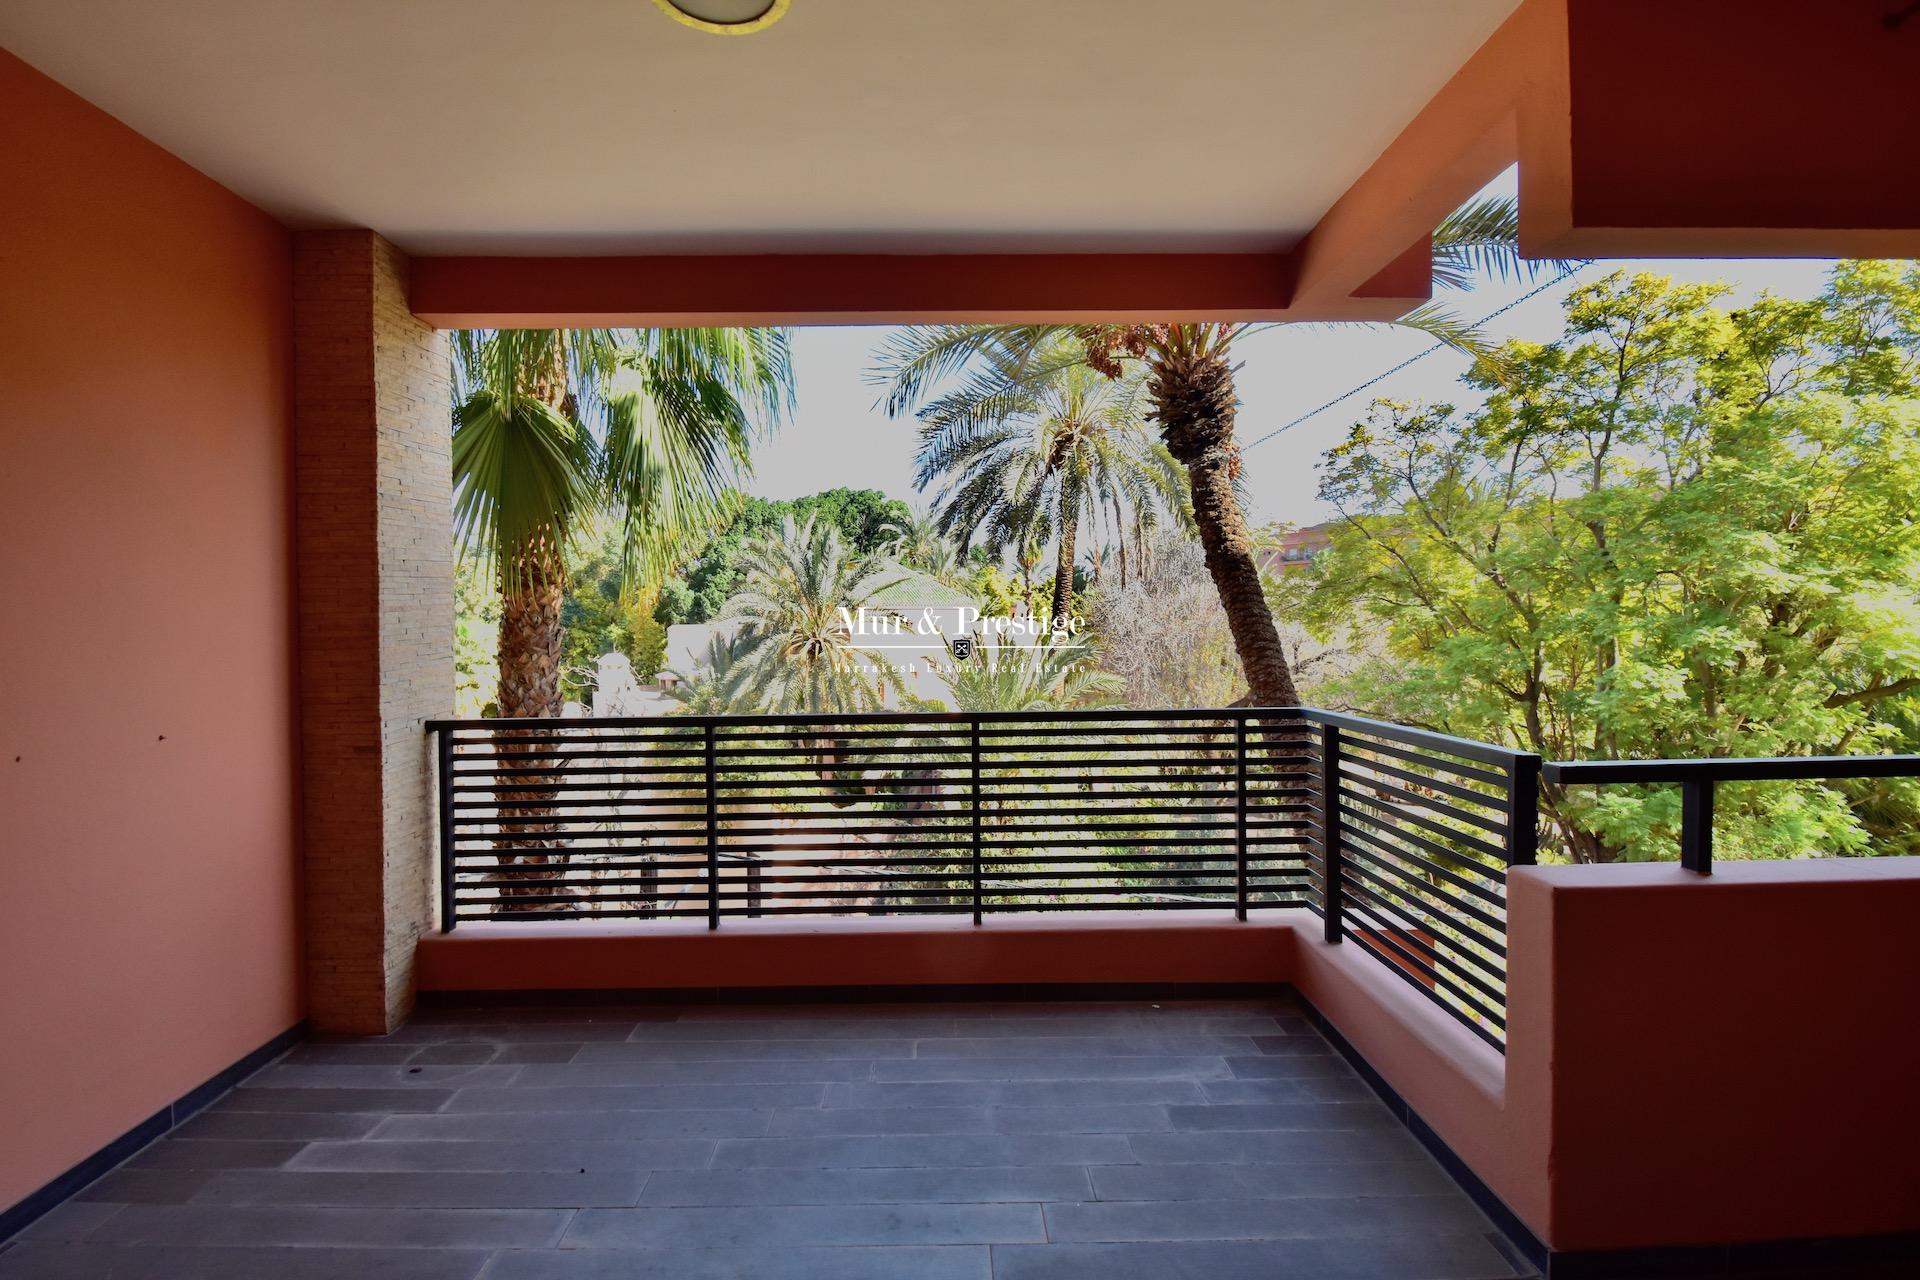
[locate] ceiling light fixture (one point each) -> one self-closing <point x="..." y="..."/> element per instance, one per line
<point x="725" y="17"/>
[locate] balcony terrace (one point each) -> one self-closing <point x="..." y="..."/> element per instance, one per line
<point x="865" y="1141"/>
<point x="299" y="979"/>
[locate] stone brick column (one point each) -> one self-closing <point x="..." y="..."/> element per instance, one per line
<point x="375" y="590"/>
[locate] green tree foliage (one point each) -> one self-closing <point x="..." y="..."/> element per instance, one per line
<point x="919" y="543"/>
<point x="1189" y="371"/>
<point x="476" y="639"/>
<point x="865" y="519"/>
<point x="1679" y="530"/>
<point x="602" y="615"/>
<point x="553" y="428"/>
<point x="1036" y="445"/>
<point x="712" y="687"/>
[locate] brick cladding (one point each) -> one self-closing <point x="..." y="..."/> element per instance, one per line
<point x="372" y="476"/>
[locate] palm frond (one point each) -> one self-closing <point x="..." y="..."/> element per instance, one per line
<point x="1482" y="238"/>
<point x="523" y="475"/>
<point x="1445" y="326"/>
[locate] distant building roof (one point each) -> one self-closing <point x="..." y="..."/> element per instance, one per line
<point x="1295" y="548"/>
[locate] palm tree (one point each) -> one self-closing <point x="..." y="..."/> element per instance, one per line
<point x="798" y="588"/>
<point x="918" y="542"/>
<point x="712" y="687"/>
<point x="553" y="426"/>
<point x="1012" y="678"/>
<point x="1190" y="383"/>
<point x="1025" y="454"/>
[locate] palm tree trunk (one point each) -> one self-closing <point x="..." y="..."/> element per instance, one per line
<point x="531" y="639"/>
<point x="1194" y="402"/>
<point x="1063" y="572"/>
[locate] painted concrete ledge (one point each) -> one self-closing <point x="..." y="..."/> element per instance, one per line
<point x="1198" y="947"/>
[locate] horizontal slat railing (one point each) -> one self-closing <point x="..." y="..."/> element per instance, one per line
<point x="1414" y="834"/>
<point x="887" y="814"/>
<point x="1398" y="838"/>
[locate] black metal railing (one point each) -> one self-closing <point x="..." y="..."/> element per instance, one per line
<point x="1416" y="833"/>
<point x="1697" y="780"/>
<point x="1398" y="838"/>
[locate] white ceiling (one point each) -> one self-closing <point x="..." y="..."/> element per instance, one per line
<point x="599" y="126"/>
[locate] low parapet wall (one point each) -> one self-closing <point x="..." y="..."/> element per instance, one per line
<point x="1190" y="948"/>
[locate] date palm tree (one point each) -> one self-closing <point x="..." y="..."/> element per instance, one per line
<point x="1190" y="384"/>
<point x="797" y="589"/>
<point x="552" y="427"/>
<point x="918" y="542"/>
<point x="711" y="687"/>
<point x="1038" y="444"/>
<point x="1041" y="678"/>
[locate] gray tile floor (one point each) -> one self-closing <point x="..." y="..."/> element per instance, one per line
<point x="1002" y="1141"/>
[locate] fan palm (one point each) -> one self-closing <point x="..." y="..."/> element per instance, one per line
<point x="551" y="427"/>
<point x="1039" y="442"/>
<point x="798" y="589"/>
<point x="1190" y="383"/>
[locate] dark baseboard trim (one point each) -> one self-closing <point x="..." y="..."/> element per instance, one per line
<point x="1533" y="1249"/>
<point x="1841" y="1258"/>
<point x="1880" y="1257"/>
<point x="16" y="1218"/>
<point x="920" y="993"/>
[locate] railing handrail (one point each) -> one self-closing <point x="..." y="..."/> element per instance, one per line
<point x="1727" y="769"/>
<point x="865" y="718"/>
<point x="1465" y="748"/>
<point x="1698" y="778"/>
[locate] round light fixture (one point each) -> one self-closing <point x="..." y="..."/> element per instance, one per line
<point x="725" y="17"/>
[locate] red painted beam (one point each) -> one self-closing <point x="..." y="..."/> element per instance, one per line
<point x="1740" y="127"/>
<point x="850" y="289"/>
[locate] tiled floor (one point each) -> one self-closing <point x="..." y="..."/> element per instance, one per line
<point x="1217" y="1139"/>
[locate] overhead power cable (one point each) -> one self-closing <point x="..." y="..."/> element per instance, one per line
<point x="1378" y="378"/>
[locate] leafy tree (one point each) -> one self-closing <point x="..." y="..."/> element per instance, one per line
<point x="552" y="427"/>
<point x="1190" y="385"/>
<point x="863" y="517"/>
<point x="602" y="614"/>
<point x="1679" y="530"/>
<point x="476" y="640"/>
<point x="800" y="655"/>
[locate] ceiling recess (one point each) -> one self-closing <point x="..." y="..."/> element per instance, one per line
<point x="725" y="17"/>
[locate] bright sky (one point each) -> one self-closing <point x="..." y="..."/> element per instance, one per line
<point x="839" y="437"/>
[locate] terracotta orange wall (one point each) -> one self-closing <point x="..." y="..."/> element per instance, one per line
<point x="147" y="804"/>
<point x="1691" y="1060"/>
<point x="1732" y="1057"/>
